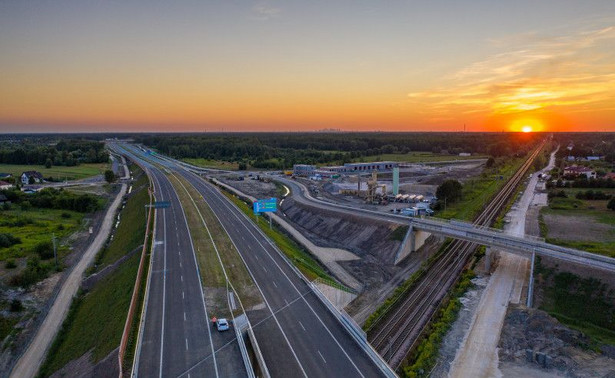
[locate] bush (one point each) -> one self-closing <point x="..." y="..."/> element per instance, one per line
<point x="34" y="272"/>
<point x="109" y="176"/>
<point x="10" y="264"/>
<point x="7" y="240"/>
<point x="44" y="249"/>
<point x="16" y="305"/>
<point x="611" y="204"/>
<point x="66" y="215"/>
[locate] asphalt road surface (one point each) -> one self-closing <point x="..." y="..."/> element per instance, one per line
<point x="296" y="332"/>
<point x="176" y="336"/>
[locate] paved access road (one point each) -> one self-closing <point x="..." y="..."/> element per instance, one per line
<point x="176" y="337"/>
<point x="297" y="334"/>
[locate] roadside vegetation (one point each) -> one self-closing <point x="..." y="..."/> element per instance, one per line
<point x="212" y="273"/>
<point x="96" y="319"/>
<point x="478" y="191"/>
<point x="426" y="353"/>
<point x="297" y="255"/>
<point x="214" y="164"/>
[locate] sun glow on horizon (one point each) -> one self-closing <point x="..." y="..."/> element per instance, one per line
<point x="526" y="125"/>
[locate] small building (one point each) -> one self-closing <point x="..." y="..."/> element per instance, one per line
<point x="465" y="154"/>
<point x="593" y="158"/>
<point x="4" y="176"/>
<point x="579" y="170"/>
<point x="5" y="185"/>
<point x="37" y="177"/>
<point x="303" y="169"/>
<point x="377" y="166"/>
<point x="610" y="175"/>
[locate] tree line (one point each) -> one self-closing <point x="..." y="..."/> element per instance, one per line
<point x="68" y="152"/>
<point x="282" y="150"/>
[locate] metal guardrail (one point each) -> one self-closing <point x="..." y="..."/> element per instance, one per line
<point x="355" y="331"/>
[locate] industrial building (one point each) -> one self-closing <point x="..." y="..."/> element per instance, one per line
<point x="348" y="168"/>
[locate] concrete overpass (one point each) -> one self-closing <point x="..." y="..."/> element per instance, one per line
<point x="525" y="246"/>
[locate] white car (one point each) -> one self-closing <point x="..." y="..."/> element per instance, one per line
<point x="222" y="325"/>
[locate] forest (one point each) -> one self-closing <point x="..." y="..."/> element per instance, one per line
<point x="282" y="150"/>
<point x="50" y="152"/>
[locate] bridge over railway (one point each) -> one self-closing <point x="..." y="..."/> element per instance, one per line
<point x="522" y="245"/>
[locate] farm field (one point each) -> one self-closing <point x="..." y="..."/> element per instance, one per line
<point x="214" y="164"/>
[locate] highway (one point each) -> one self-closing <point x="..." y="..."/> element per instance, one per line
<point x="297" y="334"/>
<point x="176" y="335"/>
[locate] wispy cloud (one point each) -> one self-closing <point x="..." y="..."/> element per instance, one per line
<point x="575" y="71"/>
<point x="265" y="11"/>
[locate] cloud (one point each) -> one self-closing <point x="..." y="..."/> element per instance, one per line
<point x="265" y="12"/>
<point x="573" y="71"/>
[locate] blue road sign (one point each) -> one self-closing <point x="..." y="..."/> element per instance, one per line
<point x="265" y="205"/>
<point x="161" y="204"/>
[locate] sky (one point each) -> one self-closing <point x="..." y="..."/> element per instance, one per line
<point x="362" y="65"/>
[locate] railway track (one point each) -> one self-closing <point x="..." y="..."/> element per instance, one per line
<point x="398" y="333"/>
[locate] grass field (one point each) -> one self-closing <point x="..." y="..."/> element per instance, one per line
<point x="209" y="264"/>
<point x="215" y="164"/>
<point x="300" y="258"/>
<point x="59" y="173"/>
<point x="589" y="219"/>
<point x="96" y="319"/>
<point x="477" y="192"/>
<point x="37" y="225"/>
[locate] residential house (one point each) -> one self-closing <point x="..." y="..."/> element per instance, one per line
<point x="579" y="170"/>
<point x="5" y="185"/>
<point x="5" y="175"/>
<point x="36" y="176"/>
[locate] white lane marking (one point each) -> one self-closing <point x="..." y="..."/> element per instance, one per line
<point x="265" y="269"/>
<point x="182" y="278"/>
<point x="301" y="324"/>
<point x="183" y="295"/>
<point x="187" y="347"/>
<point x="198" y="274"/>
<point x="164" y="291"/>
<point x="184" y="315"/>
<point x="274" y="284"/>
<point x="180" y="264"/>
<point x="286" y="302"/>
<point x="255" y="255"/>
<point x="321" y="356"/>
<point x="243" y="219"/>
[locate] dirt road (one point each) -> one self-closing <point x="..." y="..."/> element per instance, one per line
<point x="477" y="356"/>
<point x="27" y="366"/>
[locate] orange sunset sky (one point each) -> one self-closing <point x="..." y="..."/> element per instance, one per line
<point x="544" y="65"/>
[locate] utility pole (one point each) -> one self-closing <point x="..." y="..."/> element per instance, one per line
<point x="55" y="249"/>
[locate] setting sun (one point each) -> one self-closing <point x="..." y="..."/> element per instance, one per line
<point x="526" y="125"/>
<point x="527" y="129"/>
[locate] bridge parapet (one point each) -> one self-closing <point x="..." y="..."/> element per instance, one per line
<point x="524" y="245"/>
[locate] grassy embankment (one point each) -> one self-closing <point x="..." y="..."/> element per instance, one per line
<point x="96" y="318"/>
<point x="214" y="164"/>
<point x="201" y="218"/>
<point x="595" y="211"/>
<point x="585" y="304"/>
<point x="59" y="173"/>
<point x="296" y="254"/>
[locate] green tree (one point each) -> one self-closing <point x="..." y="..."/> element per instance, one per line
<point x="48" y="163"/>
<point x="611" y="204"/>
<point x="109" y="176"/>
<point x="450" y="191"/>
